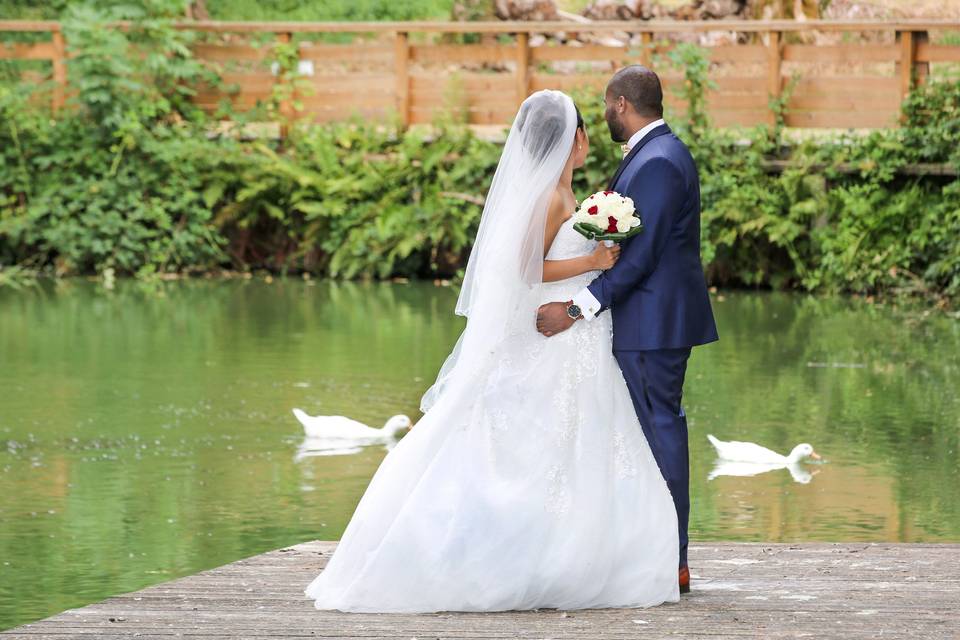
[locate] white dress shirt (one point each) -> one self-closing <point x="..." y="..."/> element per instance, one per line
<point x="588" y="303"/>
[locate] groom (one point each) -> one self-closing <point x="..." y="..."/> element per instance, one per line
<point x="656" y="290"/>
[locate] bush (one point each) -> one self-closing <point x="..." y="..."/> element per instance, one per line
<point x="131" y="179"/>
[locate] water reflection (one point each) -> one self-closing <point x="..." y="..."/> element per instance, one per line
<point x="147" y="434"/>
<point x="722" y="467"/>
<point x="313" y="447"/>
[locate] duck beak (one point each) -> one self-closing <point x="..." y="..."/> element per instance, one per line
<point x="815" y="455"/>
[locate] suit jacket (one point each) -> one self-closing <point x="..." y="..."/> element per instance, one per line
<point x="657" y="289"/>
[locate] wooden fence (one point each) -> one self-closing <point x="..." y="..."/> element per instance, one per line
<point x="419" y="70"/>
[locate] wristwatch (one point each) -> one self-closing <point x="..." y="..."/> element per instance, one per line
<point x="573" y="311"/>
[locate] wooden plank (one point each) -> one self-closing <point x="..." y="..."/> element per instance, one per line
<point x="401" y="73"/>
<point x="908" y="57"/>
<point x="540" y="80"/>
<point x="745" y="84"/>
<point x="246" y="101"/>
<point x="363" y="100"/>
<point x="739" y="117"/>
<point x="739" y="590"/>
<point x="887" y="102"/>
<point x="342" y="114"/>
<point x="357" y="82"/>
<point x="27" y="51"/>
<point x="739" y="53"/>
<point x="585" y="53"/>
<point x="29" y="25"/>
<point x="486" y="82"/>
<point x="479" y="116"/>
<point x="253" y="82"/>
<point x="840" y="53"/>
<point x="845" y="119"/>
<point x="230" y="52"/>
<point x="718" y="100"/>
<point x="927" y="52"/>
<point x="507" y="105"/>
<point x="861" y="85"/>
<point x="723" y="101"/>
<point x="322" y="54"/>
<point x="461" y="53"/>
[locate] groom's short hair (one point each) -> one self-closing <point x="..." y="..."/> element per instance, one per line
<point x="640" y="87"/>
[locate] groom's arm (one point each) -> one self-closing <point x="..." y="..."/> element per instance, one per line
<point x="658" y="185"/>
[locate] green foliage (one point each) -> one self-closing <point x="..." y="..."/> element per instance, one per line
<point x="843" y="217"/>
<point x="354" y="200"/>
<point x="131" y="180"/>
<point x="693" y="91"/>
<point x="114" y="182"/>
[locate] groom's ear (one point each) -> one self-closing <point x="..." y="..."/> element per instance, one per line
<point x="621" y="104"/>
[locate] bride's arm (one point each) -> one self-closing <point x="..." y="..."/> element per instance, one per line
<point x="555" y="270"/>
<point x="601" y="258"/>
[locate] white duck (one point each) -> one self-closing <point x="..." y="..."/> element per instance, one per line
<point x="750" y="452"/>
<point x="341" y="428"/>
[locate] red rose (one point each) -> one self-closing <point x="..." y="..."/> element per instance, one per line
<point x="606" y="193"/>
<point x="612" y="228"/>
<point x="593" y="210"/>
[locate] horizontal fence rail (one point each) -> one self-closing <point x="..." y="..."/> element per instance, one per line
<point x="419" y="71"/>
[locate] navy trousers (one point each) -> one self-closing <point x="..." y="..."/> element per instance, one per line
<point x="655" y="380"/>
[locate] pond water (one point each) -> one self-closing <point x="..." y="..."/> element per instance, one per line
<point x="146" y="433"/>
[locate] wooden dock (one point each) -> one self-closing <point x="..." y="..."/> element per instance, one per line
<point x="740" y="590"/>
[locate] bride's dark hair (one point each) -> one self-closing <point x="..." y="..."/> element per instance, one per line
<point x="580" y="124"/>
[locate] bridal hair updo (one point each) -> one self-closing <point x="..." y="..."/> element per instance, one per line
<point x="541" y="123"/>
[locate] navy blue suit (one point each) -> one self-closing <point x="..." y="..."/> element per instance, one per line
<point x="659" y="300"/>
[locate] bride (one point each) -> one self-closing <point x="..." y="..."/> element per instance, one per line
<point x="528" y="482"/>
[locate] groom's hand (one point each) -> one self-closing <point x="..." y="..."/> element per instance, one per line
<point x="552" y="318"/>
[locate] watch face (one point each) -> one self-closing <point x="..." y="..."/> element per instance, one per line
<point x="573" y="311"/>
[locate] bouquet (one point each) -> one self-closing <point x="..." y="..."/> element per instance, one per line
<point x="607" y="215"/>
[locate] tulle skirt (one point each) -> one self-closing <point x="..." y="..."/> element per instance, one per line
<point x="522" y="496"/>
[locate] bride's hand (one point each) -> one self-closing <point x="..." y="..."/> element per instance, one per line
<point x="605" y="257"/>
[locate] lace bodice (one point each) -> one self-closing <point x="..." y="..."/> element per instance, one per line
<point x="569" y="244"/>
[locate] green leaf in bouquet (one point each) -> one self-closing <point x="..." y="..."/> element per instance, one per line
<point x="593" y="232"/>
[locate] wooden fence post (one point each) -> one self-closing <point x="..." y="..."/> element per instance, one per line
<point x="908" y="58"/>
<point x="59" y="70"/>
<point x="921" y="70"/>
<point x="523" y="66"/>
<point x="286" y="103"/>
<point x="646" y="49"/>
<point x="401" y="53"/>
<point x="774" y="64"/>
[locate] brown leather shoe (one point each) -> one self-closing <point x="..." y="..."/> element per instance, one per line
<point x="684" y="579"/>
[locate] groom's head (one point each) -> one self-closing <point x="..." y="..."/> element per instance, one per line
<point x="634" y="98"/>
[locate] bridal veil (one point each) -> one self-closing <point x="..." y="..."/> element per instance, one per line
<point x="501" y="287"/>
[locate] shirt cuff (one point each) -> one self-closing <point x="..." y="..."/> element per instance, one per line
<point x="589" y="305"/>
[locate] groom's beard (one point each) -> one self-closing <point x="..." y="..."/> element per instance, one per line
<point x="617" y="133"/>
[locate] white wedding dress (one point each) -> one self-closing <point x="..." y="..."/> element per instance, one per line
<point x="538" y="497"/>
